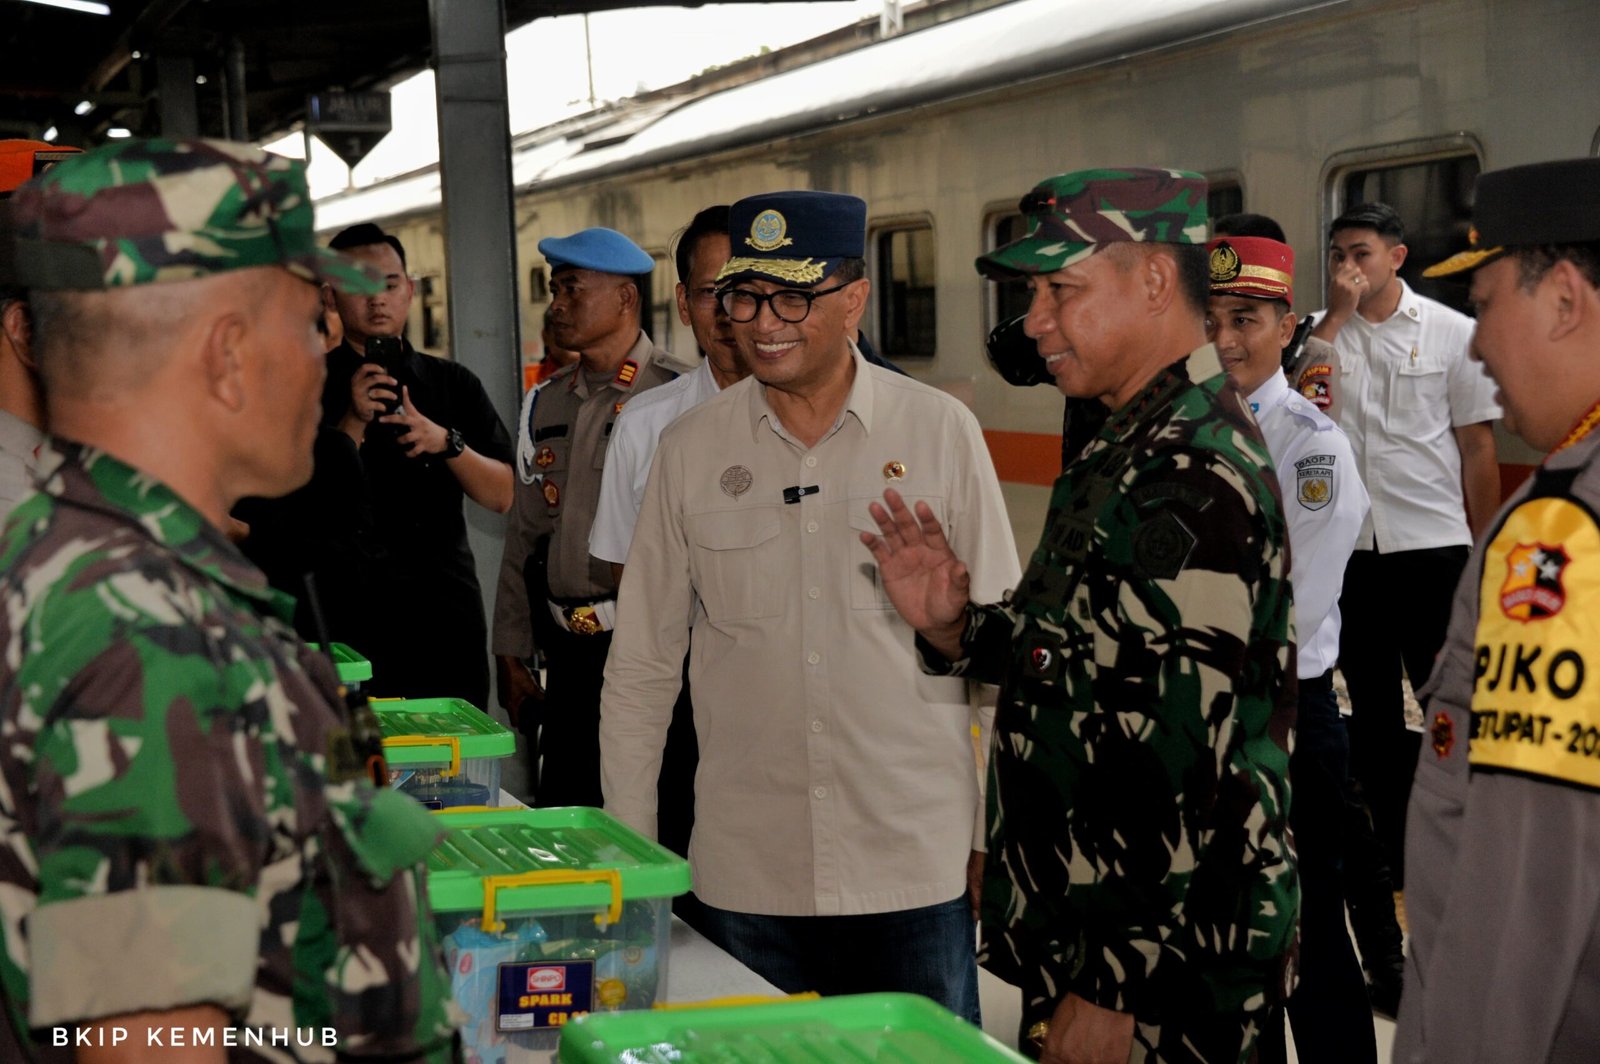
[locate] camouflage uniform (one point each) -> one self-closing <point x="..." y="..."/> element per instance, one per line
<point x="183" y="802"/>
<point x="1139" y="854"/>
<point x="1141" y="860"/>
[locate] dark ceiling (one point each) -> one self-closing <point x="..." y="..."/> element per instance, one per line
<point x="56" y="58"/>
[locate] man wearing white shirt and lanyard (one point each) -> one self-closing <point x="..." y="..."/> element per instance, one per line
<point x="1324" y="503"/>
<point x="1418" y="413"/>
<point x="701" y="251"/>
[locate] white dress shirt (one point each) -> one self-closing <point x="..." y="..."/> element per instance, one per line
<point x="835" y="777"/>
<point x="19" y="457"/>
<point x="1324" y="505"/>
<point x="1406" y="383"/>
<point x="633" y="447"/>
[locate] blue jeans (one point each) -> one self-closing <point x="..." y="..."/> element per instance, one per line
<point x="929" y="951"/>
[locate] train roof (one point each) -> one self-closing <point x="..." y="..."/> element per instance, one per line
<point x="999" y="46"/>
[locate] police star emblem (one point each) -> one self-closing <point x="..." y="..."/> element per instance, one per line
<point x="1442" y="735"/>
<point x="1533" y="589"/>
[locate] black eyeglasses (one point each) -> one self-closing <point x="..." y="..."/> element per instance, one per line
<point x="789" y="304"/>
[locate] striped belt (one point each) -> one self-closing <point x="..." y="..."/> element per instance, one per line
<point x="589" y="619"/>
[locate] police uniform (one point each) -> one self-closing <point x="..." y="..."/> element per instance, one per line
<point x="1324" y="504"/>
<point x="188" y="816"/>
<point x="552" y="596"/>
<point x="1315" y="375"/>
<point x="1139" y="850"/>
<point x="1503" y="837"/>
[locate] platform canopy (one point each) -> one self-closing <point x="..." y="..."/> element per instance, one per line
<point x="252" y="63"/>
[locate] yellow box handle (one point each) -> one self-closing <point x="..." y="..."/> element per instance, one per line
<point x="492" y="885"/>
<point x="452" y="741"/>
<point x="736" y="1001"/>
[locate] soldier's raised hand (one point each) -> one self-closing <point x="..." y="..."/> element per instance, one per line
<point x="922" y="576"/>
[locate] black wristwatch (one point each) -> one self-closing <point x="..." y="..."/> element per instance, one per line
<point x="453" y="444"/>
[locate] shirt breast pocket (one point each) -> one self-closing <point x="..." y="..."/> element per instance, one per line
<point x="1420" y="400"/>
<point x="866" y="582"/>
<point x="737" y="563"/>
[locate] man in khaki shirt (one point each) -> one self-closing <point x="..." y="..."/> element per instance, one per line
<point x="837" y="801"/>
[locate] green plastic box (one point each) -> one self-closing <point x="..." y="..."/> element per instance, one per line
<point x="866" y="1028"/>
<point x="546" y="914"/>
<point x="351" y="666"/>
<point x="443" y="751"/>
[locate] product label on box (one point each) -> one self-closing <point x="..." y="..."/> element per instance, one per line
<point x="541" y="994"/>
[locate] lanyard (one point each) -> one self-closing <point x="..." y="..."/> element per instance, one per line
<point x="1586" y="424"/>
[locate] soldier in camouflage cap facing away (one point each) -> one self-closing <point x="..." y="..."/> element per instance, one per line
<point x="1140" y="886"/>
<point x="191" y="837"/>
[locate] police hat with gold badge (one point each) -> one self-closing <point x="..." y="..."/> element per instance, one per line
<point x="1541" y="203"/>
<point x="794" y="238"/>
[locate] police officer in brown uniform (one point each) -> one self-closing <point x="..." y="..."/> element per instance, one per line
<point x="552" y="596"/>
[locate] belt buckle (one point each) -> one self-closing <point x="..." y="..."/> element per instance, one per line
<point x="583" y="621"/>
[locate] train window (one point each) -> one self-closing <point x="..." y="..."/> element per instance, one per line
<point x="1009" y="299"/>
<point x="1225" y="196"/>
<point x="905" y="287"/>
<point x="663" y="313"/>
<point x="1434" y="199"/>
<point x="431" y="291"/>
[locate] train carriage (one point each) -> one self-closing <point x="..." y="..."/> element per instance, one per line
<point x="1293" y="109"/>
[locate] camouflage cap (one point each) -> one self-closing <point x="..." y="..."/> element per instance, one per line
<point x="148" y="211"/>
<point x="1072" y="216"/>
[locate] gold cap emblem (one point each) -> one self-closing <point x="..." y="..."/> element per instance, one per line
<point x="1224" y="263"/>
<point x="767" y="231"/>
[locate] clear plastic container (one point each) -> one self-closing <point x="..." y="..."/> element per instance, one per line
<point x="353" y="669"/>
<point x="546" y="915"/>
<point x="443" y="751"/>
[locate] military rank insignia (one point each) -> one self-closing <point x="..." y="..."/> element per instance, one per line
<point x="625" y="375"/>
<point x="546" y="458"/>
<point x="1313" y="478"/>
<point x="552" y="494"/>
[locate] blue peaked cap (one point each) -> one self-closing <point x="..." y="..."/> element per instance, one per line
<point x="600" y="249"/>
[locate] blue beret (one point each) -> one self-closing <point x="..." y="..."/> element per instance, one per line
<point x="600" y="249"/>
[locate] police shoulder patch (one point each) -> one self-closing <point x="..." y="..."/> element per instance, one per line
<point x="1535" y="708"/>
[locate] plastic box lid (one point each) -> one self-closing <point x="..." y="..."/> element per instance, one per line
<point x="540" y="860"/>
<point x="864" y="1028"/>
<point x="351" y="666"/>
<point x="461" y="730"/>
